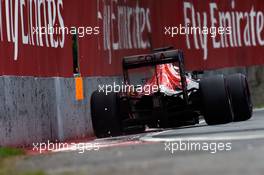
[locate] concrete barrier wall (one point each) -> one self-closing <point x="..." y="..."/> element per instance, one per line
<point x="40" y="109"/>
<point x="27" y="110"/>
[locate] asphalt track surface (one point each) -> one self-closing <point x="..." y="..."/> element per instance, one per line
<point x="240" y="151"/>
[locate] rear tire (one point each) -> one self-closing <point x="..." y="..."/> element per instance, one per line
<point x="217" y="107"/>
<point x="105" y="114"/>
<point x="240" y="95"/>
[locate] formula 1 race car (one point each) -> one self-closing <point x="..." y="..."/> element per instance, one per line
<point x="179" y="98"/>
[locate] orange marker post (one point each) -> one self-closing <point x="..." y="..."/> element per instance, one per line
<point x="79" y="88"/>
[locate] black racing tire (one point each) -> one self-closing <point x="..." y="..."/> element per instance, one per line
<point x="240" y="95"/>
<point x="216" y="102"/>
<point x="105" y="114"/>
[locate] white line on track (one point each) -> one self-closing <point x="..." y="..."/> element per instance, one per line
<point x="157" y="137"/>
<point x="258" y="110"/>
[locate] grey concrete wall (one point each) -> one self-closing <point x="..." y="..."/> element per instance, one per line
<point x="39" y="109"/>
<point x="27" y="110"/>
<point x="256" y="80"/>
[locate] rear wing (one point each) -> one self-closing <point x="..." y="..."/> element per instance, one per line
<point x="138" y="61"/>
<point x="163" y="57"/>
